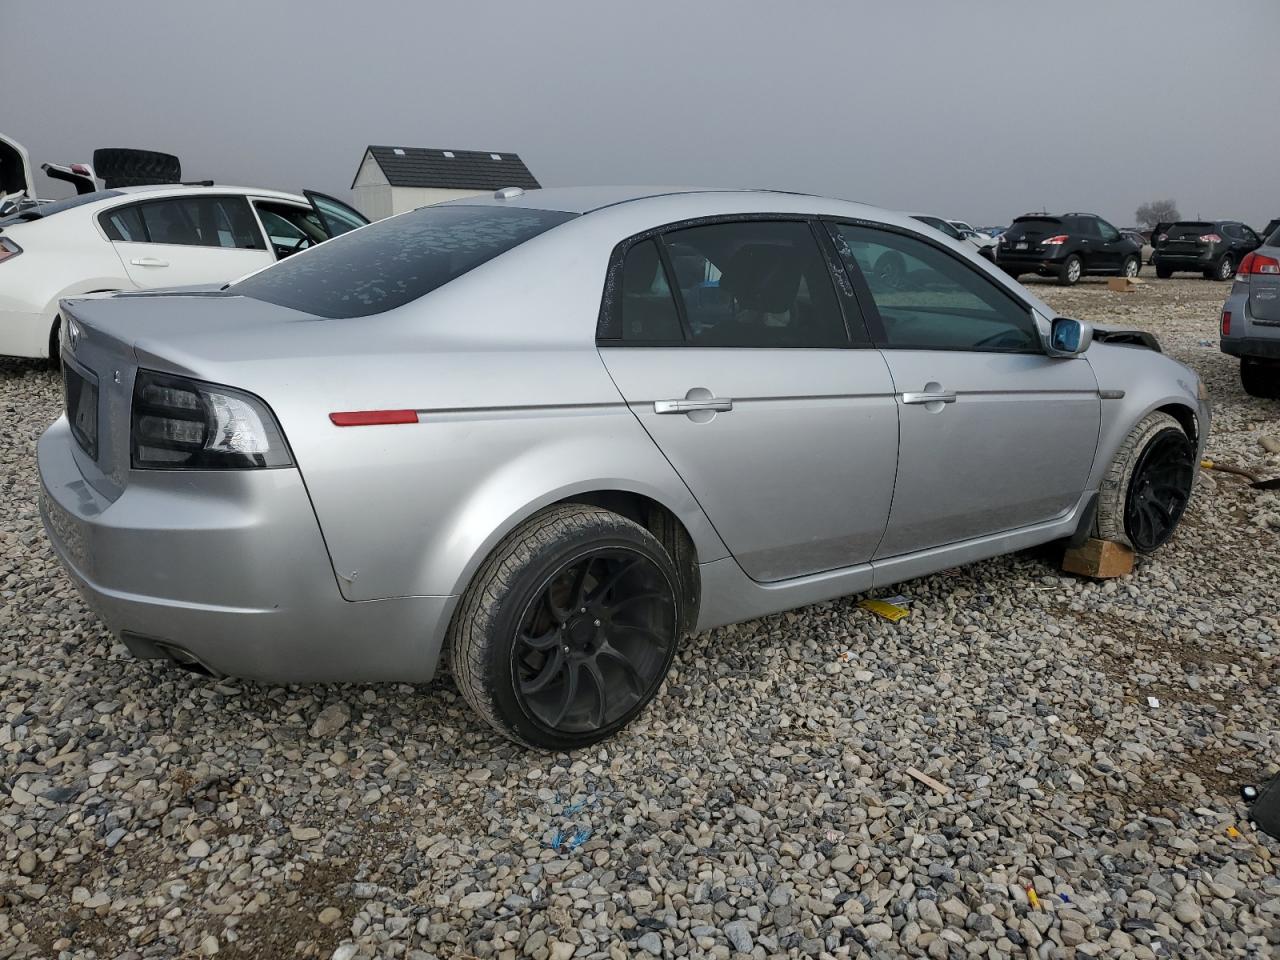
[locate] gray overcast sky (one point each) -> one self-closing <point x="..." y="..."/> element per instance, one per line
<point x="978" y="110"/>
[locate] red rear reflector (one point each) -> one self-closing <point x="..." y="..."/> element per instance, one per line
<point x="373" y="418"/>
<point x="1226" y="323"/>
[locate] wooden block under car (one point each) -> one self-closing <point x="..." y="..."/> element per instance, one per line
<point x="1124" y="284"/>
<point x="1101" y="559"/>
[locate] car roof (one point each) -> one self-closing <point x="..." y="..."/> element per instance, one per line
<point x="589" y="199"/>
<point x="182" y="189"/>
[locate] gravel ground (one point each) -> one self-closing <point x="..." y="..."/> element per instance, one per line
<point x="761" y="806"/>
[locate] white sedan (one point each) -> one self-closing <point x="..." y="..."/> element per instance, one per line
<point x="136" y="238"/>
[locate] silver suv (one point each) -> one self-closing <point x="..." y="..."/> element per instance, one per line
<point x="554" y="432"/>
<point x="1251" y="320"/>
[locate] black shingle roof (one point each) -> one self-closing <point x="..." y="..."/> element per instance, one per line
<point x="451" y="169"/>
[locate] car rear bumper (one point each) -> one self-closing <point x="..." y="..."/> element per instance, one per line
<point x="227" y="569"/>
<point x="1252" y="347"/>
<point x="1028" y="261"/>
<point x="24" y="334"/>
<point x="1184" y="262"/>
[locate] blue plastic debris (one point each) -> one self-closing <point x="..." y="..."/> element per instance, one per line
<point x="579" y="838"/>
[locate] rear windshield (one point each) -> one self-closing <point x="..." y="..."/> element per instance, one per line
<point x="1188" y="230"/>
<point x="49" y="209"/>
<point x="1034" y="225"/>
<point x="389" y="263"/>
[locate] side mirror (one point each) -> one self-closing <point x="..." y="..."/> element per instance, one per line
<point x="1068" y="337"/>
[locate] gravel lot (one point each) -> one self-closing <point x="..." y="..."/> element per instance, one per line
<point x="761" y="806"/>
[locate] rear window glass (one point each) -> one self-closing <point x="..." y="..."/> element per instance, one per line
<point x="389" y="263"/>
<point x="1034" y="225"/>
<point x="1188" y="230"/>
<point x="49" y="209"/>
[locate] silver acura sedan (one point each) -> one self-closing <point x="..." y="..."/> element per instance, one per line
<point x="554" y="432"/>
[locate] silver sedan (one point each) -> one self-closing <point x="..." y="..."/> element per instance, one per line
<point x="554" y="432"/>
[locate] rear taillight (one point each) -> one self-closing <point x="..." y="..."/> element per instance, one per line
<point x="1162" y="238"/>
<point x="8" y="249"/>
<point x="1256" y="263"/>
<point x="186" y="424"/>
<point x="1054" y="241"/>
<point x="1210" y="238"/>
<point x="1226" y="323"/>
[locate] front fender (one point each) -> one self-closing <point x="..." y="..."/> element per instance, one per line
<point x="1134" y="382"/>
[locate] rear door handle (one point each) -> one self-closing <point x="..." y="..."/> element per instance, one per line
<point x="149" y="262"/>
<point x="713" y="404"/>
<point x="934" y="397"/>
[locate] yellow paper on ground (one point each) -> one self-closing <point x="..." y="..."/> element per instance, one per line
<point x="890" y="611"/>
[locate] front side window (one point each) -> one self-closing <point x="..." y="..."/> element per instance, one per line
<point x="758" y="283"/>
<point x="930" y="300"/>
<point x="290" y="228"/>
<point x="397" y="260"/>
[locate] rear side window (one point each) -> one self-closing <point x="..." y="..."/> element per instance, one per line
<point x="1233" y="231"/>
<point x="649" y="312"/>
<point x="755" y="284"/>
<point x="394" y="261"/>
<point x="930" y="300"/>
<point x="199" y="221"/>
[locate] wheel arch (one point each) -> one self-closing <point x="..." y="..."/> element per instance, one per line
<point x="684" y="537"/>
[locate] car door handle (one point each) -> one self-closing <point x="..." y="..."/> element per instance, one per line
<point x="713" y="404"/>
<point x="935" y="397"/>
<point x="149" y="262"/>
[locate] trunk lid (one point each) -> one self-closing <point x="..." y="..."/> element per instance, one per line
<point x="1264" y="297"/>
<point x="106" y="338"/>
<point x="1184" y="238"/>
<point x="1025" y="233"/>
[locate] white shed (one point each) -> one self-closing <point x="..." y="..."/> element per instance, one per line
<point x="395" y="179"/>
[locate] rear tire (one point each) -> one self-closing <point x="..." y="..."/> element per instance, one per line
<point x="1146" y="488"/>
<point x="568" y="629"/>
<point x="1259" y="378"/>
<point x="55" y="344"/>
<point x="1071" y="271"/>
<point x="1224" y="269"/>
<point x="1164" y="273"/>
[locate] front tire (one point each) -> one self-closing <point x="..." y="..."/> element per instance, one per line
<point x="1146" y="489"/>
<point x="1071" y="271"/>
<point x="568" y="629"/>
<point x="1259" y="378"/>
<point x="1130" y="267"/>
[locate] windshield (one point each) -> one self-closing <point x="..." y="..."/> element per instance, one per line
<point x="49" y="209"/>
<point x="389" y="263"/>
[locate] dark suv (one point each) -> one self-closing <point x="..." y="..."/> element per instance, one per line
<point x="1208" y="247"/>
<point x="1067" y="247"/>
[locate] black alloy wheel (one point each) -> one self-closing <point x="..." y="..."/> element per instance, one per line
<point x="1159" y="490"/>
<point x="595" y="641"/>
